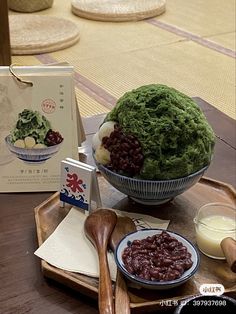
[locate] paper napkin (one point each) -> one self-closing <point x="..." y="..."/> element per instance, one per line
<point x="68" y="247"/>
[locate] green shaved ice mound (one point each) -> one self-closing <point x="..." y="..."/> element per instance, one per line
<point x="175" y="136"/>
<point x="31" y="123"/>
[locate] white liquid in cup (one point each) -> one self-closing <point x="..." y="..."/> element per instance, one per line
<point x="211" y="230"/>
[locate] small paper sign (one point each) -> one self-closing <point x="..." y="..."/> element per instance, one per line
<point x="79" y="184"/>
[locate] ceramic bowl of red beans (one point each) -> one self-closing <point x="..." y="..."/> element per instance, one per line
<point x="157" y="259"/>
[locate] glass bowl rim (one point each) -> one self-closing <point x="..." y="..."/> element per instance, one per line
<point x="196" y="221"/>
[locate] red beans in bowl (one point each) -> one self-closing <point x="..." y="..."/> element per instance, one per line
<point x="160" y="257"/>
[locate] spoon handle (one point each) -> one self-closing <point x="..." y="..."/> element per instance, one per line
<point x="228" y="246"/>
<point x="122" y="301"/>
<point x="105" y="294"/>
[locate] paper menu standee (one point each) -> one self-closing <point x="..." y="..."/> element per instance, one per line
<point x="52" y="96"/>
<point x="79" y="185"/>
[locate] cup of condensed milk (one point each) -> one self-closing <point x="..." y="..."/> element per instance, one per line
<point x="213" y="223"/>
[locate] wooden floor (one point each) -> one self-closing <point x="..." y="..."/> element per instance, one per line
<point x="190" y="47"/>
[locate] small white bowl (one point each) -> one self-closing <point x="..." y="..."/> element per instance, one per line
<point x="158" y="285"/>
<point x="32" y="155"/>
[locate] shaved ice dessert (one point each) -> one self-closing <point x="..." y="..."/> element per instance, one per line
<point x="33" y="130"/>
<point x="154" y="132"/>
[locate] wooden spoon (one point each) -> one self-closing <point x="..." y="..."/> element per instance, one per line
<point x="98" y="227"/>
<point x="228" y="246"/>
<point x="123" y="226"/>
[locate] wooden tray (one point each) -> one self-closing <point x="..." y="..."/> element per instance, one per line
<point x="181" y="211"/>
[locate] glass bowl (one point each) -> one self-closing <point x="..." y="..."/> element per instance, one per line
<point x="213" y="223"/>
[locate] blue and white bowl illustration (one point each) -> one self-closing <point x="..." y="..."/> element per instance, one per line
<point x="32" y="155"/>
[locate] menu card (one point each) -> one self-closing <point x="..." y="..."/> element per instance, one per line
<point x="39" y="126"/>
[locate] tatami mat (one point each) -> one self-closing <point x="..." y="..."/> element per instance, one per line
<point x="89" y="106"/>
<point x="226" y="40"/>
<point x="25" y="60"/>
<point x="190" y="74"/>
<point x="190" y="47"/>
<point x="101" y="39"/>
<point x="202" y="17"/>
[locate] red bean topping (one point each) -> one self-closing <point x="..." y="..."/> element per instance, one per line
<point x="167" y="262"/>
<point x="157" y="258"/>
<point x="136" y="242"/>
<point x="126" y="152"/>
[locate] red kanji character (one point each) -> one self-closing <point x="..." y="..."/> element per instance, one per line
<point x="74" y="183"/>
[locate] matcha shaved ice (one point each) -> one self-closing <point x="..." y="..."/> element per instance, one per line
<point x="175" y="137"/>
<point x="31" y="124"/>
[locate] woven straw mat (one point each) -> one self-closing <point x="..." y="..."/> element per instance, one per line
<point x="118" y="10"/>
<point x="29" y="5"/>
<point x="35" y="34"/>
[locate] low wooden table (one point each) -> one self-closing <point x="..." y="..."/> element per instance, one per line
<point x="23" y="288"/>
<point x="5" y="49"/>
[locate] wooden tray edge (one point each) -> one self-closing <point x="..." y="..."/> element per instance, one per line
<point x="220" y="185"/>
<point x="49" y="200"/>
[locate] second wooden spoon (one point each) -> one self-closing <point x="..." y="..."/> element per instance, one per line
<point x="123" y="226"/>
<point x="98" y="227"/>
<point x="228" y="246"/>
